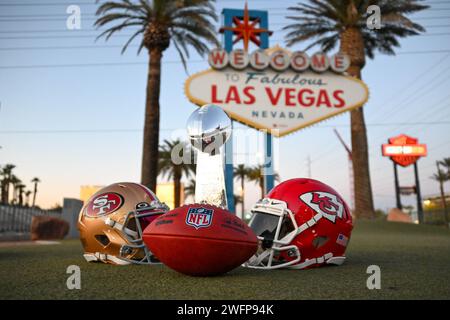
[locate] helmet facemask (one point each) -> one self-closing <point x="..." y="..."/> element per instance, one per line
<point x="131" y="230"/>
<point x="275" y="227"/>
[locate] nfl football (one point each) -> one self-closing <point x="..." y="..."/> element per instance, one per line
<point x="200" y="240"/>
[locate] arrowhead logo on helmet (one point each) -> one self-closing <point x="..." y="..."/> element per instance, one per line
<point x="327" y="204"/>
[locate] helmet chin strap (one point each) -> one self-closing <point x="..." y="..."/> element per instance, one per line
<point x="327" y="258"/>
<point x="114" y="224"/>
<point x="308" y="224"/>
<point x="90" y="257"/>
<point x="256" y="260"/>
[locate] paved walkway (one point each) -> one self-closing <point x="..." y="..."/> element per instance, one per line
<point x="26" y="243"/>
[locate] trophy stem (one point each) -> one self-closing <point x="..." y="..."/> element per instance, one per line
<point x="210" y="180"/>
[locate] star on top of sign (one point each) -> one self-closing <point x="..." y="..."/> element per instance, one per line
<point x="245" y="29"/>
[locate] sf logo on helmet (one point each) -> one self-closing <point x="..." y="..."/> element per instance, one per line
<point x="327" y="204"/>
<point x="104" y="204"/>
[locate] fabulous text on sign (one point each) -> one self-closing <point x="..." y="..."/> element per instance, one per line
<point x="277" y="90"/>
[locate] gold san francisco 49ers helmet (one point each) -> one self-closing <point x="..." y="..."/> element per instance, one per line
<point x="112" y="221"/>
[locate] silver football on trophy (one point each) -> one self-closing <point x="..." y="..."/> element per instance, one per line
<point x="209" y="127"/>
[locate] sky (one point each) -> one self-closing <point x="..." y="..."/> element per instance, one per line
<point x="72" y="107"/>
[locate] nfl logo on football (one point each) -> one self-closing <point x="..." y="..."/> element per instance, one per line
<point x="199" y="217"/>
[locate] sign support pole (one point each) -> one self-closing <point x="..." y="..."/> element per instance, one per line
<point x="268" y="163"/>
<point x="419" y="196"/>
<point x="405" y="150"/>
<point x="229" y="178"/>
<point x="268" y="156"/>
<point x="263" y="16"/>
<point x="397" y="188"/>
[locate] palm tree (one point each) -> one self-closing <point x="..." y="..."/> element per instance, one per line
<point x="186" y="23"/>
<point x="329" y="22"/>
<point x="446" y="164"/>
<point x="175" y="168"/>
<point x="15" y="183"/>
<point x="255" y="174"/>
<point x="441" y="177"/>
<point x="7" y="175"/>
<point x="241" y="173"/>
<point x="237" y="199"/>
<point x="35" y="181"/>
<point x="21" y="190"/>
<point x="2" y="185"/>
<point x="189" y="189"/>
<point x="27" y="197"/>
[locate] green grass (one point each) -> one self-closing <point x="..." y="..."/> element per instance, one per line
<point x="414" y="262"/>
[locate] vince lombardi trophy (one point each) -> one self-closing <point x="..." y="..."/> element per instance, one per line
<point x="209" y="127"/>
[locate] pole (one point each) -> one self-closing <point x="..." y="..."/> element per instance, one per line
<point x="444" y="203"/>
<point x="263" y="17"/>
<point x="397" y="188"/>
<point x="419" y="196"/>
<point x="268" y="164"/>
<point x="268" y="158"/>
<point x="229" y="179"/>
<point x="351" y="183"/>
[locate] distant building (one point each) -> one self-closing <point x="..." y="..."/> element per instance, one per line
<point x="87" y="191"/>
<point x="435" y="202"/>
<point x="164" y="192"/>
<point x="434" y="212"/>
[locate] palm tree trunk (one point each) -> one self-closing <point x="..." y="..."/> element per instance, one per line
<point x="7" y="191"/>
<point x="20" y="198"/>
<point x="177" y="188"/>
<point x="352" y="44"/>
<point x="14" y="194"/>
<point x="4" y="198"/>
<point x="261" y="186"/>
<point x="34" y="195"/>
<point x="360" y="158"/>
<point x="149" y="171"/>
<point x="444" y="203"/>
<point x="242" y="196"/>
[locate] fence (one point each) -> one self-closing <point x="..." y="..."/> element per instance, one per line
<point x="18" y="219"/>
<point x="435" y="216"/>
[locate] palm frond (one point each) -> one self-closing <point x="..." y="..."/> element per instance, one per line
<point x="124" y="6"/>
<point x="179" y="46"/>
<point x="166" y="167"/>
<point x="110" y="17"/>
<point x="321" y="21"/>
<point x="125" y="46"/>
<point x="189" y="23"/>
<point x="296" y="37"/>
<point x="110" y="31"/>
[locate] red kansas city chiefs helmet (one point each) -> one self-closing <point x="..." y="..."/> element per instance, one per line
<point x="301" y="223"/>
